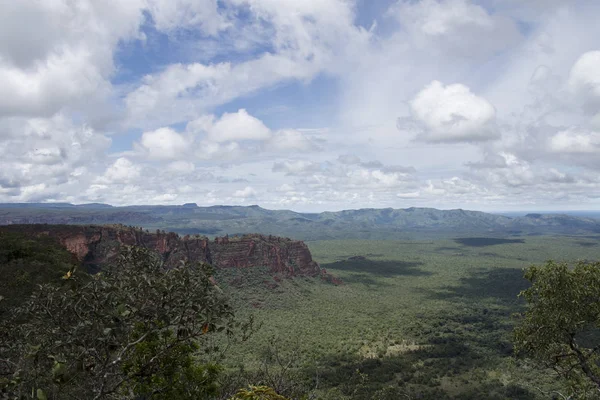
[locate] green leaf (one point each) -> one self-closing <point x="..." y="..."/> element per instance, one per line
<point x="41" y="395"/>
<point x="58" y="369"/>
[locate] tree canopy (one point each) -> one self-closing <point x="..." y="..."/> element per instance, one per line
<point x="135" y="330"/>
<point x="561" y="326"/>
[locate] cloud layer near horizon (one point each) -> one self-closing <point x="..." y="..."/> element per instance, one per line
<point x="312" y="105"/>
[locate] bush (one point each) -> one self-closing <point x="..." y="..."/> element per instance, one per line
<point x="134" y="330"/>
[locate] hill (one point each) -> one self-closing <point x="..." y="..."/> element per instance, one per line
<point x="385" y="223"/>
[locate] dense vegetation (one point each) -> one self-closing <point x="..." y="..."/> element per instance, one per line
<point x="26" y="262"/>
<point x="132" y="331"/>
<point x="424" y="319"/>
<point x="413" y="319"/>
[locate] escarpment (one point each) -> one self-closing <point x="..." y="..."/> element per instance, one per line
<point x="97" y="245"/>
<point x="281" y="255"/>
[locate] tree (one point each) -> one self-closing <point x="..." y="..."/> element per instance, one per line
<point x="561" y="327"/>
<point x="135" y="330"/>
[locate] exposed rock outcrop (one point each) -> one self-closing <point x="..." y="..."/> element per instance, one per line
<point x="281" y="255"/>
<point x="96" y="245"/>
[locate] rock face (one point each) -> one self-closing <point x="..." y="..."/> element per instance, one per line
<point x="281" y="255"/>
<point x="96" y="245"/>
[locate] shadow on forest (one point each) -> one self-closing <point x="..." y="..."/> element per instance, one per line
<point x="364" y="278"/>
<point x="379" y="268"/>
<point x="458" y="342"/>
<point x="587" y="244"/>
<point x="447" y="248"/>
<point x="491" y="255"/>
<point x="501" y="284"/>
<point x="483" y="241"/>
<point x="455" y="345"/>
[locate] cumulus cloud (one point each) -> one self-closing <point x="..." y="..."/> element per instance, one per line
<point x="238" y="126"/>
<point x="164" y="144"/>
<point x="451" y="114"/>
<point x="520" y="126"/>
<point x="584" y="81"/>
<point x="121" y="171"/>
<point x="575" y="142"/>
<point x="68" y="57"/>
<point x="376" y="177"/>
<point x="233" y="136"/>
<point x="245" y="193"/>
<point x="47" y="153"/>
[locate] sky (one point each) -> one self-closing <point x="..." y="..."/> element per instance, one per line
<point x="308" y="105"/>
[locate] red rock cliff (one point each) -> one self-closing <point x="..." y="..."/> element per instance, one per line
<point x="95" y="245"/>
<point x="281" y="255"/>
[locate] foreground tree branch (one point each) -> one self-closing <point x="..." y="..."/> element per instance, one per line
<point x="561" y="327"/>
<point x="131" y="331"/>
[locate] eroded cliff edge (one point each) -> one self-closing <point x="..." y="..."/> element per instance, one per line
<point x="95" y="245"/>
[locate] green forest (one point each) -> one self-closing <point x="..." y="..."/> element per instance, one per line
<point x="414" y="319"/>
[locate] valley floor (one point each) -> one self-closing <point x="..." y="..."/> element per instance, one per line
<point x="413" y="319"/>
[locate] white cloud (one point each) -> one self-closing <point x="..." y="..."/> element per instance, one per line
<point x="575" y="142"/>
<point x="247" y="192"/>
<point x="309" y="27"/>
<point x="121" y="171"/>
<point x="584" y="81"/>
<point x="298" y="167"/>
<point x="436" y="18"/>
<point x="455" y="27"/>
<point x="452" y="114"/>
<point x="376" y="178"/>
<point x="409" y="195"/>
<point x="165" y="198"/>
<point x="164" y="144"/>
<point x="181" y="167"/>
<point x="171" y="15"/>
<point x="220" y="151"/>
<point x="66" y="58"/>
<point x="238" y="126"/>
<point x="526" y="69"/>
<point x="184" y="92"/>
<point x="233" y="136"/>
<point x="290" y="140"/>
<point x="304" y="39"/>
<point x="52" y="151"/>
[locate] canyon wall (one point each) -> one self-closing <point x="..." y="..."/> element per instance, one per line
<point x="95" y="245"/>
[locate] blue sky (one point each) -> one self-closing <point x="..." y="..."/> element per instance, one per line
<point x="313" y="105"/>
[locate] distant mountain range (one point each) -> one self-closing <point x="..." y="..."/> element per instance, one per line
<point x="364" y="223"/>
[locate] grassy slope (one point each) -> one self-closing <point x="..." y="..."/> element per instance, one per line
<point x="426" y="317"/>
